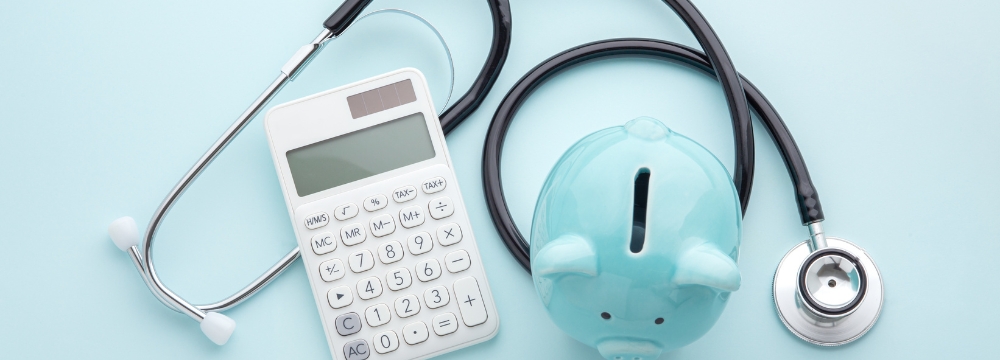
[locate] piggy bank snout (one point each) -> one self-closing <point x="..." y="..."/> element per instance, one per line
<point x="628" y="349"/>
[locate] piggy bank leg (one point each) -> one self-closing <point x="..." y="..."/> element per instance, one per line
<point x="705" y="265"/>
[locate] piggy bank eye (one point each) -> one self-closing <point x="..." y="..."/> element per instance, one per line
<point x="658" y="321"/>
<point x="606" y="316"/>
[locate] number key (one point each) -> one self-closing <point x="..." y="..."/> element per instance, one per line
<point x="369" y="288"/>
<point x="419" y="243"/>
<point x="436" y="297"/>
<point x="407" y="306"/>
<point x="386" y="342"/>
<point x="398" y="279"/>
<point x="361" y="261"/>
<point x="428" y="270"/>
<point x="390" y="252"/>
<point x="377" y="314"/>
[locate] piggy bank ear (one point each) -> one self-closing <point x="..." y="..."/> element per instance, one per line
<point x="569" y="254"/>
<point x="705" y="265"/>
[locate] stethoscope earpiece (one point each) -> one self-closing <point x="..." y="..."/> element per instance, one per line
<point x="827" y="290"/>
<point x="124" y="233"/>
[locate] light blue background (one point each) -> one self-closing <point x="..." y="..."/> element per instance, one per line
<point x="105" y="104"/>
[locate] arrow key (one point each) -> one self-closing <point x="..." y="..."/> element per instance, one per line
<point x="339" y="297"/>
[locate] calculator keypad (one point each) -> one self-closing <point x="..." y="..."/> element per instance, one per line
<point x="403" y="276"/>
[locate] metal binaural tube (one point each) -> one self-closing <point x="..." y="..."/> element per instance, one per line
<point x="145" y="261"/>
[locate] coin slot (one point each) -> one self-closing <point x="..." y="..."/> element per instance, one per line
<point x="639" y="210"/>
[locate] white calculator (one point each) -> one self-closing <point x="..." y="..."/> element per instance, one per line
<point x="385" y="237"/>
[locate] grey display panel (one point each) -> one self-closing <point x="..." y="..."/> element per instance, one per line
<point x="383" y="98"/>
<point x="360" y="154"/>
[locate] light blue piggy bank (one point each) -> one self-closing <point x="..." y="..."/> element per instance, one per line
<point x="635" y="240"/>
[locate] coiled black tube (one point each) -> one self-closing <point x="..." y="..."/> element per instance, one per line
<point x="809" y="206"/>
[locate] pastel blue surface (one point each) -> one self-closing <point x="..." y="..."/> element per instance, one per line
<point x="105" y="104"/>
<point x="635" y="240"/>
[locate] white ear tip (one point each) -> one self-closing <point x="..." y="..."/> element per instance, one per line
<point x="124" y="232"/>
<point x="217" y="327"/>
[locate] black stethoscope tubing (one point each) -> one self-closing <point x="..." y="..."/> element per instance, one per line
<point x="810" y="209"/>
<point x="739" y="93"/>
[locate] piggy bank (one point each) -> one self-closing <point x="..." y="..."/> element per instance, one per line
<point x="635" y="239"/>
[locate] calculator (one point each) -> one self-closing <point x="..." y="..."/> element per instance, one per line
<point x="380" y="221"/>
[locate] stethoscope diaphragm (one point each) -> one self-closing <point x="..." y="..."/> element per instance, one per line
<point x="832" y="282"/>
<point x="830" y="296"/>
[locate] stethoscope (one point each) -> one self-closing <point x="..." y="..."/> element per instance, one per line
<point x="827" y="291"/>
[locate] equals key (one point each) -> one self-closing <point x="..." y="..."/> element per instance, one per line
<point x="445" y="324"/>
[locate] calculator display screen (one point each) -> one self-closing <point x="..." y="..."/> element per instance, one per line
<point x="360" y="154"/>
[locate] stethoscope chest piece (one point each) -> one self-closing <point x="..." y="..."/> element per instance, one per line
<point x="830" y="296"/>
